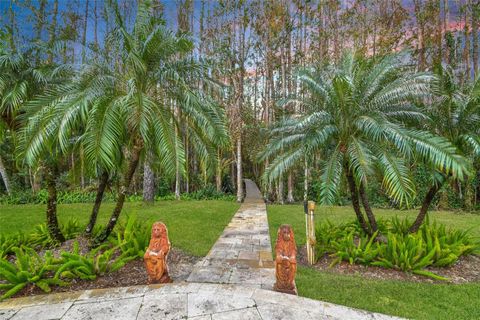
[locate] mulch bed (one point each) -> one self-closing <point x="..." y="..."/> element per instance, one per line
<point x="180" y="265"/>
<point x="466" y="270"/>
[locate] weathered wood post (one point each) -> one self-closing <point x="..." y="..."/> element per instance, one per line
<point x="310" y="228"/>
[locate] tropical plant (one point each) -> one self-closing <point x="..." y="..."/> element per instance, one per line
<point x="132" y="238"/>
<point x="355" y="115"/>
<point x="99" y="261"/>
<point x="130" y="100"/>
<point x="28" y="268"/>
<point x="454" y="114"/>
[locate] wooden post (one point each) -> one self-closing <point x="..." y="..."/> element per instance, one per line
<point x="310" y="227"/>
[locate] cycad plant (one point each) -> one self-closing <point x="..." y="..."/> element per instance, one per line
<point x="455" y="114"/>
<point x="355" y="116"/>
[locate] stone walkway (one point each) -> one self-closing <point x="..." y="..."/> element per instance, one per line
<point x="243" y="253"/>
<point x="200" y="301"/>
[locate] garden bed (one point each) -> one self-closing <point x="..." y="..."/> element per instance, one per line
<point x="133" y="273"/>
<point x="465" y="270"/>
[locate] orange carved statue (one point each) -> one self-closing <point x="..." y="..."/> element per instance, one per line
<point x="156" y="255"/>
<point x="286" y="260"/>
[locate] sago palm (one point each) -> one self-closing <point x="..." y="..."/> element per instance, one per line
<point x="127" y="103"/>
<point x="354" y="117"/>
<point x="454" y="113"/>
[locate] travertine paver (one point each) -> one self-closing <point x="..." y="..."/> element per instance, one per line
<point x="243" y="253"/>
<point x="200" y="301"/>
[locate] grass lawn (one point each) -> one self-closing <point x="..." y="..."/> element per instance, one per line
<point x="400" y="298"/>
<point x="193" y="226"/>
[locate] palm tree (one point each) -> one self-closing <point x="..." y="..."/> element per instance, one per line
<point x="355" y="116"/>
<point x="132" y="102"/>
<point x="455" y="115"/>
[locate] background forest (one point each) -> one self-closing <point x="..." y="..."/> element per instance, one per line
<point x="245" y="56"/>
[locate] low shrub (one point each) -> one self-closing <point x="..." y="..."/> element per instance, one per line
<point x="97" y="262"/>
<point x="78" y="196"/>
<point x="28" y="268"/>
<point x="132" y="238"/>
<point x="432" y="245"/>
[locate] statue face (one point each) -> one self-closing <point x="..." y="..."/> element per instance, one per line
<point x="286" y="234"/>
<point x="157" y="230"/>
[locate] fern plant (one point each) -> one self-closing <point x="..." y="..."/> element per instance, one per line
<point x="29" y="268"/>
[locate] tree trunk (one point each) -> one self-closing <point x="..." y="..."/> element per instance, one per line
<point x="52" y="32"/>
<point x="280" y="198"/>
<point x="148" y="182"/>
<point x="239" y="170"/>
<point x="355" y="201"/>
<point x="132" y="166"/>
<point x="6" y="180"/>
<point x="218" y="177"/>
<point x="290" y="187"/>
<point x="425" y="205"/>
<point x="84" y="33"/>
<point x="102" y="184"/>
<point x="52" y="221"/>
<point x="368" y="209"/>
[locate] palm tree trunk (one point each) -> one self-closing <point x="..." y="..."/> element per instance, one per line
<point x="52" y="221"/>
<point x="6" y="180"/>
<point x="148" y="182"/>
<point x="102" y="184"/>
<point x="425" y="205"/>
<point x="355" y="201"/>
<point x="132" y="166"/>
<point x="290" y="198"/>
<point x="368" y="209"/>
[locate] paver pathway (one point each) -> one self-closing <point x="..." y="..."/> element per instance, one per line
<point x="200" y="301"/>
<point x="243" y="253"/>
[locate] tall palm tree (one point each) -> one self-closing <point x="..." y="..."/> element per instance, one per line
<point x="133" y="101"/>
<point x="455" y="115"/>
<point x="355" y="116"/>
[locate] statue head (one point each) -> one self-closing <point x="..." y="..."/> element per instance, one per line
<point x="285" y="238"/>
<point x="158" y="230"/>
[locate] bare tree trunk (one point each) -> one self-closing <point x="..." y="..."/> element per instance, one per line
<point x="475" y="16"/>
<point x="368" y="209"/>
<point x="290" y="186"/>
<point x="84" y="34"/>
<point x="53" y="31"/>
<point x="132" y="166"/>
<point x="424" y="209"/>
<point x="102" y="184"/>
<point x="148" y="181"/>
<point x="4" y="174"/>
<point x="218" y="176"/>
<point x="239" y="170"/>
<point x="51" y="174"/>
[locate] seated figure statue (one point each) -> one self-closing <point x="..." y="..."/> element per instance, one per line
<point x="156" y="254"/>
<point x="286" y="260"/>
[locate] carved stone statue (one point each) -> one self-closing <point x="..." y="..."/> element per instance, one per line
<point x="286" y="260"/>
<point x="156" y="255"/>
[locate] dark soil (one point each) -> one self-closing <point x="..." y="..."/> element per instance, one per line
<point x="180" y="265"/>
<point x="467" y="269"/>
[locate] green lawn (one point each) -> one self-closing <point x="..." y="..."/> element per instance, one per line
<point x="193" y="226"/>
<point x="400" y="298"/>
